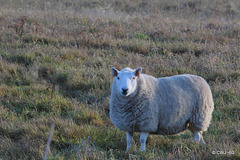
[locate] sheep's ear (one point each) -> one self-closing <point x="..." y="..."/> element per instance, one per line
<point x="114" y="71"/>
<point x="137" y="72"/>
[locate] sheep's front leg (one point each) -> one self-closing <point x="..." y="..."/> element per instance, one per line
<point x="143" y="139"/>
<point x="129" y="140"/>
<point x="198" y="137"/>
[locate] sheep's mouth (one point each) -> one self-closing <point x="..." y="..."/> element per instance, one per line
<point x="124" y="93"/>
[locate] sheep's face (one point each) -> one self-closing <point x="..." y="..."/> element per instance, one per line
<point x="126" y="80"/>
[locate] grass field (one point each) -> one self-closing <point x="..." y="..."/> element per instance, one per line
<point x="55" y="59"/>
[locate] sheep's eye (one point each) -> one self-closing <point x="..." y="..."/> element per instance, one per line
<point x="118" y="78"/>
<point x="133" y="77"/>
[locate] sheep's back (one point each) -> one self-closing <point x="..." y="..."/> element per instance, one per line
<point x="180" y="97"/>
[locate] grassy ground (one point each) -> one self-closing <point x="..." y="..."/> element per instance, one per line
<point x="55" y="59"/>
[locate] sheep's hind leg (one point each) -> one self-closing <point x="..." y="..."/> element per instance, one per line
<point x="129" y="140"/>
<point x="143" y="139"/>
<point x="198" y="137"/>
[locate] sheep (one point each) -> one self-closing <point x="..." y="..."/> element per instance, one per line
<point x="164" y="106"/>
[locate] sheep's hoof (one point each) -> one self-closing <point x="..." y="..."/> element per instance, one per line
<point x="202" y="142"/>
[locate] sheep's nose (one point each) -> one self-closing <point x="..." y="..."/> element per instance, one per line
<point x="124" y="90"/>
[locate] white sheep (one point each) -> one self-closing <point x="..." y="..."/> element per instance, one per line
<point x="166" y="106"/>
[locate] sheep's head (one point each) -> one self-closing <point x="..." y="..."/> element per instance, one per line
<point x="126" y="80"/>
